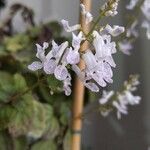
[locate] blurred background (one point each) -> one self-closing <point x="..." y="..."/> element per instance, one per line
<point x="132" y="132"/>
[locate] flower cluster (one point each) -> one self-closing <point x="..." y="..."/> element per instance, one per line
<point x="98" y="65"/>
<point x="131" y="33"/>
<point x="121" y="100"/>
<point x="110" y="8"/>
<point x="57" y="59"/>
<point x="98" y="59"/>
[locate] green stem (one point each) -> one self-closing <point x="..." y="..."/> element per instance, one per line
<point x="95" y="24"/>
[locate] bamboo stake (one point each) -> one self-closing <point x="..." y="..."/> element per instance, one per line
<point x="79" y="90"/>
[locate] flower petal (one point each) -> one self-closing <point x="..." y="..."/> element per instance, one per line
<point x="36" y="65"/>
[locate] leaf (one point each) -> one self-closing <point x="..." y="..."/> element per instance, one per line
<point x="67" y="141"/>
<point x="44" y="145"/>
<point x="64" y="113"/>
<point x="54" y="84"/>
<point x="6" y="82"/>
<point x="42" y="120"/>
<point x="19" y="83"/>
<point x="7" y="115"/>
<point x="17" y="42"/>
<point x="53" y="130"/>
<point x="3" y="141"/>
<point x="20" y="143"/>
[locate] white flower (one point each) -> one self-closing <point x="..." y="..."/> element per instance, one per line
<point x="125" y="99"/>
<point x="121" y="109"/>
<point x="88" y="16"/>
<point x="68" y="28"/>
<point x="36" y="65"/>
<point x="132" y="4"/>
<point x="54" y="63"/>
<point x="76" y="40"/>
<point x="104" y="48"/>
<point x="146" y="9"/>
<point x="114" y="31"/>
<point x="132" y="31"/>
<point x="41" y="55"/>
<point x="81" y="74"/>
<point x="66" y="85"/>
<point x="73" y="56"/>
<point x="125" y="46"/>
<point x="146" y="25"/>
<point x="106" y="97"/>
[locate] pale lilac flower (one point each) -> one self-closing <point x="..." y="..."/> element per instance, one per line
<point x="61" y="72"/>
<point x="131" y="31"/>
<point x="68" y="28"/>
<point x="125" y="99"/>
<point x="53" y="63"/>
<point x="132" y="4"/>
<point x="104" y="48"/>
<point x="36" y="65"/>
<point x="125" y="46"/>
<point x="106" y="97"/>
<point x="41" y="55"/>
<point x="114" y="31"/>
<point x="76" y="40"/>
<point x="73" y="56"/>
<point x="121" y="109"/>
<point x="88" y="16"/>
<point x="146" y="9"/>
<point x="82" y="76"/>
<point x="66" y="85"/>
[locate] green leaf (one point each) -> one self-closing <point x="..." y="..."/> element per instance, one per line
<point x="6" y="82"/>
<point x="19" y="82"/>
<point x="67" y="141"/>
<point x="64" y="113"/>
<point x="7" y="115"/>
<point x="54" y="84"/>
<point x="20" y="143"/>
<point x="17" y="42"/>
<point x="3" y="142"/>
<point x="53" y="130"/>
<point x="44" y="145"/>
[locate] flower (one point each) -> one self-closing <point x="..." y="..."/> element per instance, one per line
<point x="146" y="9"/>
<point x="114" y="31"/>
<point x="97" y="70"/>
<point x="106" y="97"/>
<point x="125" y="46"/>
<point x="110" y="8"/>
<point x="132" y="4"/>
<point x="127" y="98"/>
<point x="120" y="100"/>
<point x="104" y="48"/>
<point x="66" y="85"/>
<point x="36" y="65"/>
<point x="131" y="31"/>
<point x="68" y="28"/>
<point x="88" y="16"/>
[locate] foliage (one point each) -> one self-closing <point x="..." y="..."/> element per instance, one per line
<point x="31" y="116"/>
